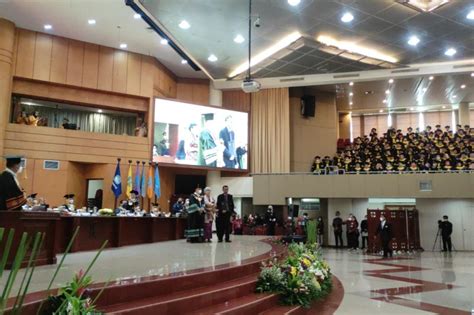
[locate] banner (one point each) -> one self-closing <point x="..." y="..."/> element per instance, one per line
<point x="149" y="189"/>
<point x="129" y="180"/>
<point x="117" y="181"/>
<point x="157" y="182"/>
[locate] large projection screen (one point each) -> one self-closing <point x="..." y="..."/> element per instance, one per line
<point x="201" y="136"/>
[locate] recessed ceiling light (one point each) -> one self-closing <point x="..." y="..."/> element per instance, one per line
<point x="387" y="92"/>
<point x="431" y="78"/>
<point x="48" y="26"/>
<point x="137" y="16"/>
<point x="450" y="52"/>
<point x="294" y="2"/>
<point x="444" y="107"/>
<point x="351" y="83"/>
<point x="472" y="74"/>
<point x="384" y="101"/>
<point x="184" y="61"/>
<point x="164" y="41"/>
<point x="347" y="17"/>
<point x="463" y="86"/>
<point x="424" y="5"/>
<point x="91" y="22"/>
<point x="212" y="58"/>
<point x="381" y="111"/>
<point x="412" y="108"/>
<point x="350" y="103"/>
<point x="184" y="25"/>
<point x="454" y="96"/>
<point x="350" y="94"/>
<point x="413" y="41"/>
<point x="239" y="39"/>
<point x="470" y="15"/>
<point x="123" y="45"/>
<point x="390" y="81"/>
<point x="99" y="111"/>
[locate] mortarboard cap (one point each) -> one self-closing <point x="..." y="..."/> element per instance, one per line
<point x="134" y="192"/>
<point x="67" y="196"/>
<point x="32" y="196"/>
<point x="16" y="159"/>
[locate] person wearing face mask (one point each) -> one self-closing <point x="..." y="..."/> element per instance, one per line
<point x="12" y="196"/>
<point x="224" y="210"/>
<point x="384" y="230"/>
<point x="129" y="204"/>
<point x="270" y="221"/>
<point x="337" y="226"/>
<point x="195" y="229"/>
<point x="320" y="231"/>
<point x="69" y="204"/>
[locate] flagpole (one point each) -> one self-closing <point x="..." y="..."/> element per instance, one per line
<point x="149" y="199"/>
<point x="154" y="194"/>
<point x="141" y="186"/>
<point x="115" y="202"/>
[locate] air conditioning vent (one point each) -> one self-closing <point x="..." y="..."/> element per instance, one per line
<point x="426" y="185"/>
<point x="51" y="165"/>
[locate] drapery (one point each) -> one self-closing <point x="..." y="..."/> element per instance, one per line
<point x="85" y="120"/>
<point x="270" y="143"/>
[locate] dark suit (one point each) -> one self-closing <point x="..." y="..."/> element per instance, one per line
<point x="270" y="221"/>
<point x="11" y="195"/>
<point x="225" y="209"/>
<point x="385" y="233"/>
<point x="446" y="231"/>
<point x="228" y="137"/>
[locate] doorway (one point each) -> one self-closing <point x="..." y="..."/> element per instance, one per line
<point x="95" y="192"/>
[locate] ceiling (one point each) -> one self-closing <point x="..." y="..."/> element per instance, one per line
<point x="382" y="25"/>
<point x="416" y="93"/>
<point x="69" y="18"/>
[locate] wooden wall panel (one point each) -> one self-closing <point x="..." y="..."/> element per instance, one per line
<point x="236" y="100"/>
<point x="25" y="53"/>
<point x="146" y="76"/>
<point x="184" y="92"/>
<point x="91" y="66"/>
<point x="59" y="60"/>
<point x="42" y="61"/>
<point x="119" y="78"/>
<point x="75" y="63"/>
<point x="106" y="68"/>
<point x="133" y="73"/>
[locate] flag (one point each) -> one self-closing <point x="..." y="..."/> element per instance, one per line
<point x="137" y="179"/>
<point x="149" y="189"/>
<point x="157" y="182"/>
<point x="129" y="180"/>
<point x="143" y="184"/>
<point x="117" y="182"/>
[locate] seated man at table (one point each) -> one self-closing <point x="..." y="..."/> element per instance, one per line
<point x="12" y="196"/>
<point x="30" y="202"/>
<point x="178" y="206"/>
<point x="69" y="204"/>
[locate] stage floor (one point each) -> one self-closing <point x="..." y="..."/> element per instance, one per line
<point x="135" y="263"/>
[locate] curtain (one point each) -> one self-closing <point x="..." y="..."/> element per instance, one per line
<point x="270" y="115"/>
<point x="87" y="121"/>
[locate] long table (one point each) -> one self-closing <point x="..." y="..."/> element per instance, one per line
<point x="93" y="231"/>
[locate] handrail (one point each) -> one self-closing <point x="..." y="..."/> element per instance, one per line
<point x="368" y="173"/>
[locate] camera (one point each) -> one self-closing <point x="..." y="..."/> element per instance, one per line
<point x="257" y="22"/>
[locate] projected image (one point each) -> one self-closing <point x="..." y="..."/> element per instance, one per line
<point x="199" y="135"/>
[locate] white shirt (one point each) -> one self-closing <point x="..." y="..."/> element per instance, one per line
<point x="383" y="224"/>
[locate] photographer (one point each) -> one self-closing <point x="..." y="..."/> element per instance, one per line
<point x="446" y="228"/>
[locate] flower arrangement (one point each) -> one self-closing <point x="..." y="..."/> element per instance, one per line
<point x="106" y="212"/>
<point x="299" y="279"/>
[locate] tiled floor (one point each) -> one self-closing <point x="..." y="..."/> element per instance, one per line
<point x="426" y="283"/>
<point x="130" y="264"/>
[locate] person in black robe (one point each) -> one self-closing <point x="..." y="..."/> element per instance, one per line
<point x="337" y="226"/>
<point x="270" y="221"/>
<point x="446" y="231"/>
<point x="364" y="231"/>
<point x="195" y="229"/>
<point x="12" y="196"/>
<point x="384" y="230"/>
<point x="224" y="210"/>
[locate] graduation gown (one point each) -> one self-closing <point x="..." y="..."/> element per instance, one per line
<point x="195" y="228"/>
<point x="12" y="197"/>
<point x="207" y="149"/>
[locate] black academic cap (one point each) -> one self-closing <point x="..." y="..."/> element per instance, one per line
<point x="134" y="192"/>
<point x="447" y="127"/>
<point x="466" y="126"/>
<point x="154" y="204"/>
<point x="67" y="196"/>
<point x="136" y="203"/>
<point x="208" y="116"/>
<point x="32" y="195"/>
<point x="437" y="126"/>
<point x="15" y="159"/>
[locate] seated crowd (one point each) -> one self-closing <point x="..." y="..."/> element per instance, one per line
<point x="428" y="150"/>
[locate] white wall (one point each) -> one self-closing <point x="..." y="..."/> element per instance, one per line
<point x="460" y="213"/>
<point x="94" y="184"/>
<point x="357" y="206"/>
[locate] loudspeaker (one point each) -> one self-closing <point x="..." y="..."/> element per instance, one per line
<point x="308" y="105"/>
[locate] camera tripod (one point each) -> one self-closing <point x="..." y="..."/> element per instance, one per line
<point x="439" y="240"/>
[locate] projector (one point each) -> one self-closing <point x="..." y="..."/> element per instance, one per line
<point x="250" y="86"/>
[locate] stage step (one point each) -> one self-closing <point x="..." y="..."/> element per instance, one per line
<point x="182" y="302"/>
<point x="248" y="304"/>
<point x="281" y="310"/>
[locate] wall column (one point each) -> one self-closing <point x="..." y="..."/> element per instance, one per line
<point x="7" y="39"/>
<point x="463" y="114"/>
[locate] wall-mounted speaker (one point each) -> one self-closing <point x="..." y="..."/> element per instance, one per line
<point x="308" y="105"/>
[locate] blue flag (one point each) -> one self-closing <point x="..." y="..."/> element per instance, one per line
<point x="143" y="185"/>
<point x="157" y="182"/>
<point x="136" y="186"/>
<point x="117" y="182"/>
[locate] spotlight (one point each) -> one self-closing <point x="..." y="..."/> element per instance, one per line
<point x="347" y="17"/>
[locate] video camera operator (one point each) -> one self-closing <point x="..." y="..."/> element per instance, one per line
<point x="446" y="228"/>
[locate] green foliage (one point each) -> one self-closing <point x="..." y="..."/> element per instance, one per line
<point x="311" y="226"/>
<point x="299" y="279"/>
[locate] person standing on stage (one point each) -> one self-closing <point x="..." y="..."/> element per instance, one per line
<point x="364" y="231"/>
<point x="210" y="208"/>
<point x="337" y="226"/>
<point x="446" y="231"/>
<point x="225" y="209"/>
<point x="320" y="231"/>
<point x="352" y="232"/>
<point x="385" y="231"/>
<point x="12" y="196"/>
<point x="195" y="231"/>
<point x="270" y="221"/>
